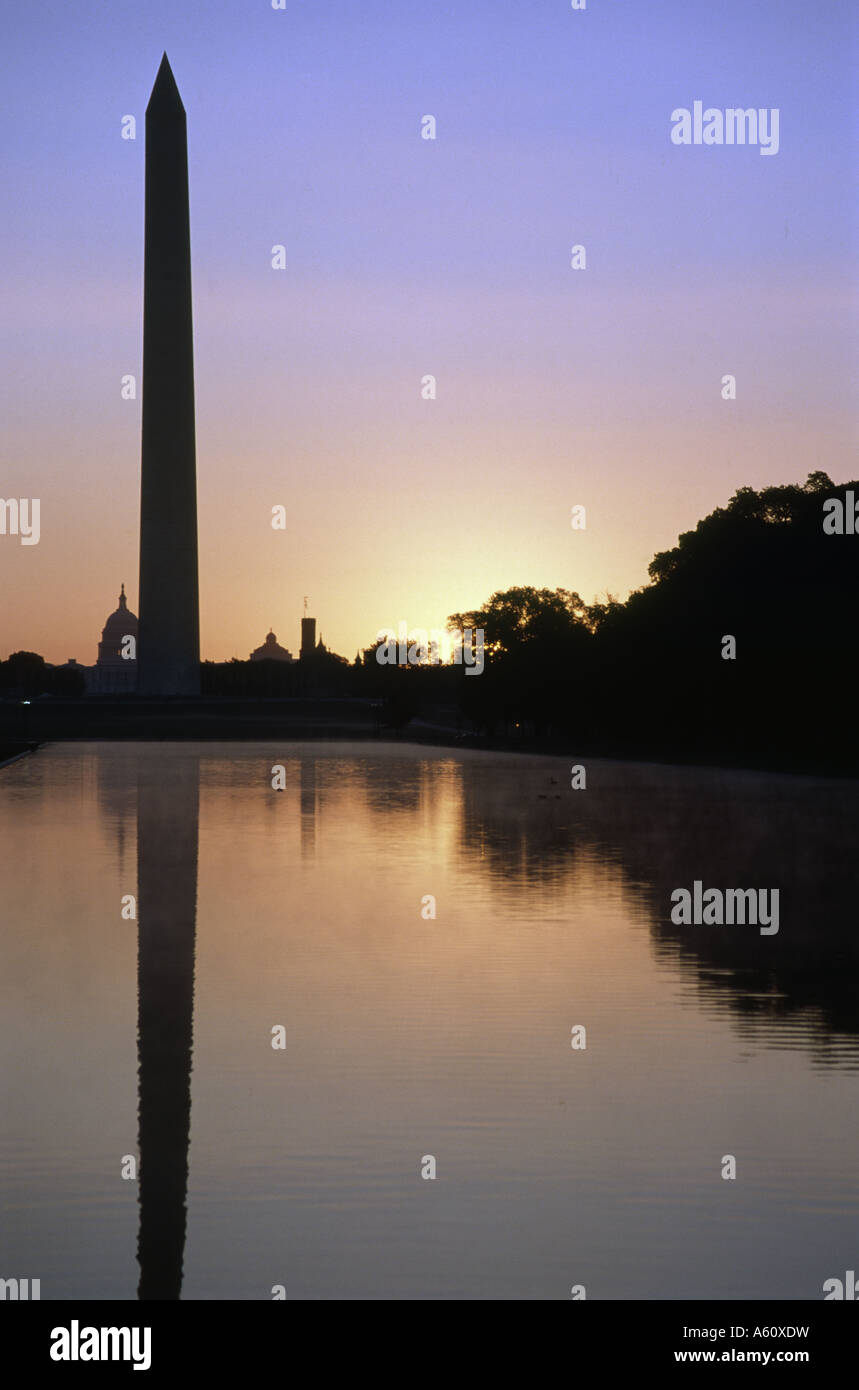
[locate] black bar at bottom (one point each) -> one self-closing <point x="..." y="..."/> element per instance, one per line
<point x="411" y="1339"/>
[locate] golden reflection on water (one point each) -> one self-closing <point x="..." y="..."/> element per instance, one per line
<point x="409" y="1034"/>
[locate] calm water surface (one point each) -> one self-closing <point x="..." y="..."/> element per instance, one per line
<point x="408" y="1036"/>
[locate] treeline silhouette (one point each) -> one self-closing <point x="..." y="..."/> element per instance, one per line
<point x="643" y="678"/>
<point x="28" y="674"/>
<point x="647" y="676"/>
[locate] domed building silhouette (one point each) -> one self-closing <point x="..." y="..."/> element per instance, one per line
<point x="270" y="651"/>
<point x="113" y="673"/>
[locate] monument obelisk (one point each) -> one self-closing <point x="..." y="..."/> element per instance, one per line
<point x="168" y="648"/>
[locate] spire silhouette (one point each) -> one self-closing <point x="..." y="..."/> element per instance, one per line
<point x="165" y="94"/>
<point x="168" y="652"/>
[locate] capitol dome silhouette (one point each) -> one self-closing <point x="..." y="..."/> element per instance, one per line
<point x="114" y="673"/>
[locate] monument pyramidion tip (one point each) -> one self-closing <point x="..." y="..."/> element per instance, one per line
<point x="165" y="94"/>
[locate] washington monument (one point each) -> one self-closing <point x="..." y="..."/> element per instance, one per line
<point x="169" y="631"/>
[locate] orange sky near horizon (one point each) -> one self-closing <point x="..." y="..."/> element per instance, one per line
<point x="555" y="387"/>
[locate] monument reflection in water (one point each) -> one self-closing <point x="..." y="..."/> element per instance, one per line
<point x="409" y="1035"/>
<point x="167" y="837"/>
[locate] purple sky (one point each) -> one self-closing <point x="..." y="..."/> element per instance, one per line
<point x="407" y="257"/>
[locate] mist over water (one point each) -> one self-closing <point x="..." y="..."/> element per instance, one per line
<point x="408" y="1036"/>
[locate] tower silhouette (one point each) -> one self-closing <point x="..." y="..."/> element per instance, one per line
<point x="168" y="648"/>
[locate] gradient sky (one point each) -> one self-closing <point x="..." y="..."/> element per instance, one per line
<point x="406" y="257"/>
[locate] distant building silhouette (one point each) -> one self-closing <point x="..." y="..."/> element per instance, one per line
<point x="308" y="637"/>
<point x="113" y="673"/>
<point x="271" y="651"/>
<point x="311" y="650"/>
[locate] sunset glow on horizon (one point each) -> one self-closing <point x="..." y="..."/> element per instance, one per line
<point x="408" y="257"/>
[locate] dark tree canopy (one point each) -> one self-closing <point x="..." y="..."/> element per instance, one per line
<point x="649" y="673"/>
